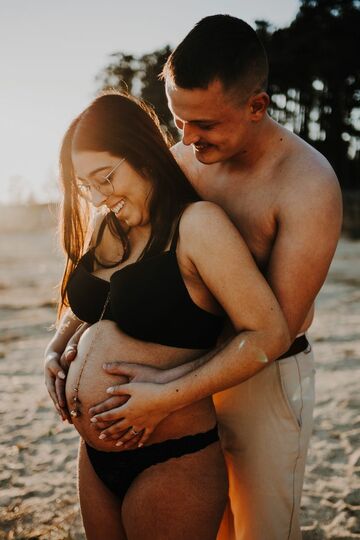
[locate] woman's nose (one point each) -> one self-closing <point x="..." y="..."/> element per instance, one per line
<point x="97" y="198"/>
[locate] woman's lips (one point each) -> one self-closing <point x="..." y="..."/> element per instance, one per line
<point x="118" y="207"/>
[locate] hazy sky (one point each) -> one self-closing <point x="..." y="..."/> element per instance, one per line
<point x="51" y="51"/>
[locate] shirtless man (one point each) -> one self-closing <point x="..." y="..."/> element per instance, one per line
<point x="285" y="200"/>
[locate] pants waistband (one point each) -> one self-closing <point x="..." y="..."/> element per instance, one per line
<point x="299" y="345"/>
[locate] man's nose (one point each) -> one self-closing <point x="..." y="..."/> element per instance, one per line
<point x="189" y="134"/>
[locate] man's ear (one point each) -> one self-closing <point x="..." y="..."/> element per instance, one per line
<point x="258" y="105"/>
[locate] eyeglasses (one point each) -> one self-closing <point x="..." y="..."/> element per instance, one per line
<point x="105" y="186"/>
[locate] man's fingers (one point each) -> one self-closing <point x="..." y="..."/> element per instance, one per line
<point x="115" y="432"/>
<point x="120" y="389"/>
<point x="100" y="426"/>
<point x="120" y="368"/>
<point x="108" y="404"/>
<point x="108" y="416"/>
<point x="120" y="426"/>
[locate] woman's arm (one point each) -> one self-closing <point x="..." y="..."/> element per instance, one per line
<point x="221" y="259"/>
<point x="62" y="349"/>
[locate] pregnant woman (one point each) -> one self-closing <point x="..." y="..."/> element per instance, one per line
<point x="155" y="281"/>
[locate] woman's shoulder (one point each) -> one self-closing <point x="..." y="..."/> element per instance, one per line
<point x="202" y="211"/>
<point x="202" y="214"/>
<point x="205" y="225"/>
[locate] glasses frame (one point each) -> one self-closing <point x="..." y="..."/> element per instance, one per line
<point x="84" y="190"/>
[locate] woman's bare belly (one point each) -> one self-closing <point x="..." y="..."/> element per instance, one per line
<point x="104" y="342"/>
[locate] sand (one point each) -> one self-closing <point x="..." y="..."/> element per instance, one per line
<point x="38" y="498"/>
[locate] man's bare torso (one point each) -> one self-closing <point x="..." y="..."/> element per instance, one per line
<point x="256" y="199"/>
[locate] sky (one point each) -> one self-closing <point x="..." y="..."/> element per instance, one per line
<point x="51" y="52"/>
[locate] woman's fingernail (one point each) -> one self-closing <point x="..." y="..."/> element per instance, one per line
<point x="93" y="419"/>
<point x="62" y="375"/>
<point x="140" y="445"/>
<point x="102" y="436"/>
<point x="119" y="443"/>
<point x="110" y="390"/>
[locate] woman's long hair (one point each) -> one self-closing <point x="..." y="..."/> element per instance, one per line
<point x="125" y="127"/>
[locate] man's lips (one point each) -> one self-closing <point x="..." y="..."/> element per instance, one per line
<point x="202" y="146"/>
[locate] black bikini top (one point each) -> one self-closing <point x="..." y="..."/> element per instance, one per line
<point x="148" y="300"/>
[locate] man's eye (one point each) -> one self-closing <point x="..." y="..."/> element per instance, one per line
<point x="206" y="127"/>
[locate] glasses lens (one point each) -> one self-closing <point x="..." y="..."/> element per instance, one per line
<point x="106" y="188"/>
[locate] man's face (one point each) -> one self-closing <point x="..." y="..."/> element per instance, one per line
<point x="216" y="127"/>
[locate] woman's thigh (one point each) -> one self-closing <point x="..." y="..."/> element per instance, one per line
<point x="180" y="499"/>
<point x="100" y="509"/>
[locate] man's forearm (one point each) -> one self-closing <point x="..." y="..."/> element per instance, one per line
<point x="241" y="358"/>
<point x="177" y="372"/>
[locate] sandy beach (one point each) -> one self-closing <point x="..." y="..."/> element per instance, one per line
<point x="38" y="498"/>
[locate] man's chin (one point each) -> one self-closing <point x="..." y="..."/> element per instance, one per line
<point x="206" y="155"/>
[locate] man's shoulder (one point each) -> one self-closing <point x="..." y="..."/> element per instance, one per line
<point x="308" y="183"/>
<point x="304" y="169"/>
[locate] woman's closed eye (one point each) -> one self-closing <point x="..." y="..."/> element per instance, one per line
<point x="85" y="186"/>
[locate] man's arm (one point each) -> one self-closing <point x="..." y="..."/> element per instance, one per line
<point x="309" y="221"/>
<point x="309" y="224"/>
<point x="236" y="283"/>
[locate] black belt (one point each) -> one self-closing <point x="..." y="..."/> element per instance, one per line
<point x="299" y="345"/>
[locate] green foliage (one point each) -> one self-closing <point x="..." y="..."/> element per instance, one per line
<point x="139" y="75"/>
<point x="315" y="80"/>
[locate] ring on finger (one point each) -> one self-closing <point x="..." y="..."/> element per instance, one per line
<point x="134" y="432"/>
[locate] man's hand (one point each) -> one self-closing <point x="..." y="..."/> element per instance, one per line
<point x="132" y="372"/>
<point x="109" y="414"/>
<point x="144" y="409"/>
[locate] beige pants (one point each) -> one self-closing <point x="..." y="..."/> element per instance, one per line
<point x="265" y="426"/>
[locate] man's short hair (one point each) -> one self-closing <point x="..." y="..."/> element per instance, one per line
<point x="219" y="47"/>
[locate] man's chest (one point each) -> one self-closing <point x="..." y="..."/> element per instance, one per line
<point x="250" y="208"/>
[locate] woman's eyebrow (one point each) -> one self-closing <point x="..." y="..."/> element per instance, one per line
<point x="93" y="173"/>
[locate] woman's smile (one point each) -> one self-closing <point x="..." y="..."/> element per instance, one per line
<point x="129" y="199"/>
<point x="118" y="207"/>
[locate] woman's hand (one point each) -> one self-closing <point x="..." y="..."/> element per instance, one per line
<point x="145" y="408"/>
<point x="56" y="366"/>
<point x="55" y="380"/>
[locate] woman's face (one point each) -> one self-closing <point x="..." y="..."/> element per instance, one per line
<point x="124" y="191"/>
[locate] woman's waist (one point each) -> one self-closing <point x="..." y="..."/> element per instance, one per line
<point x="195" y="418"/>
<point x="109" y="340"/>
<point x="107" y="344"/>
